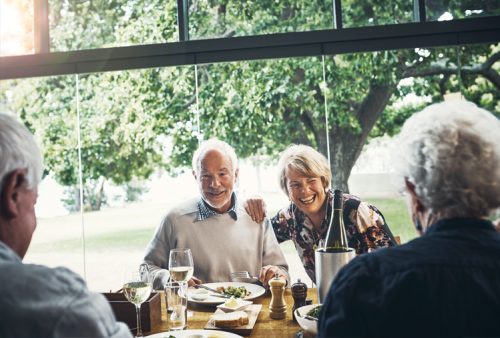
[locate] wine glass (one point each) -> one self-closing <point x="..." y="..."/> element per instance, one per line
<point x="180" y="265"/>
<point x="137" y="289"/>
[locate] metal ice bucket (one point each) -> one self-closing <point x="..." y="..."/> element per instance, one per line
<point x="327" y="266"/>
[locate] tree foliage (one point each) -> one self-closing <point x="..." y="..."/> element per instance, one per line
<point x="130" y="120"/>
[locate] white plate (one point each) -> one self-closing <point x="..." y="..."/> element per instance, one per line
<point x="195" y="334"/>
<point x="255" y="291"/>
<point x="308" y="325"/>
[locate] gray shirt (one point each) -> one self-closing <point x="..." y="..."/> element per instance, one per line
<point x="219" y="244"/>
<point x="38" y="301"/>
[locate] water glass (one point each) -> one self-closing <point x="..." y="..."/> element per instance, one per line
<point x="176" y="302"/>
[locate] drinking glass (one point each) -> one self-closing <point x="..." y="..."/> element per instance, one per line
<point x="137" y="289"/>
<point x="180" y="265"/>
<point x="176" y="303"/>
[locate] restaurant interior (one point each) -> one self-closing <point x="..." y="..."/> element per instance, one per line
<point x="120" y="93"/>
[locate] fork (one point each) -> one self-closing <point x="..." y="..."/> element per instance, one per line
<point x="243" y="276"/>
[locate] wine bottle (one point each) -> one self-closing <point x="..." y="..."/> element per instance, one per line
<point x="336" y="237"/>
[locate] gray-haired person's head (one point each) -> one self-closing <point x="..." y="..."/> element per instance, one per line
<point x="450" y="151"/>
<point x="214" y="144"/>
<point x="18" y="150"/>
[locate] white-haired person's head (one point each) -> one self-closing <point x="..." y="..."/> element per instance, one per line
<point x="449" y="154"/>
<point x="18" y="150"/>
<point x="214" y="144"/>
<point x="215" y="168"/>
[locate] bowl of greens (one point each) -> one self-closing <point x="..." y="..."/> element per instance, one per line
<point x="307" y="317"/>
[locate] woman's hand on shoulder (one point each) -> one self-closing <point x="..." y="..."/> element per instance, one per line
<point x="256" y="208"/>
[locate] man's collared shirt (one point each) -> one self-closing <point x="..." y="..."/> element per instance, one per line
<point x="204" y="211"/>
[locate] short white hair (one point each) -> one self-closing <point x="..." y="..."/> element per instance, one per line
<point x="450" y="151"/>
<point x="18" y="150"/>
<point x="214" y="144"/>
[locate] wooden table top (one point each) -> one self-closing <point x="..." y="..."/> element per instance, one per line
<point x="198" y="317"/>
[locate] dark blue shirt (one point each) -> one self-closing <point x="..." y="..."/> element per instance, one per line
<point x="445" y="283"/>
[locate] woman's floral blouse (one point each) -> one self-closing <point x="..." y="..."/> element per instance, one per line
<point x="365" y="226"/>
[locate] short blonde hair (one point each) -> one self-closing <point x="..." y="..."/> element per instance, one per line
<point x="305" y="160"/>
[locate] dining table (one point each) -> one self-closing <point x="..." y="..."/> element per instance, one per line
<point x="199" y="315"/>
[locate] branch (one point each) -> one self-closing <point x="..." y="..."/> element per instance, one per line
<point x="439" y="68"/>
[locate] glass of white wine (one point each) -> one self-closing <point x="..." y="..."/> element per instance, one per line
<point x="180" y="265"/>
<point x="137" y="289"/>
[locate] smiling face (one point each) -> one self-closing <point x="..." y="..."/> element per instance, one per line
<point x="307" y="193"/>
<point x="216" y="178"/>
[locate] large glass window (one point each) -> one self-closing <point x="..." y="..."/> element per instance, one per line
<point x="139" y="128"/>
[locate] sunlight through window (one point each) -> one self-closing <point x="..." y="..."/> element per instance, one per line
<point x="16" y="27"/>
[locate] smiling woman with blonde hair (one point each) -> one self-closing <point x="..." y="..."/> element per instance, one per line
<point x="305" y="178"/>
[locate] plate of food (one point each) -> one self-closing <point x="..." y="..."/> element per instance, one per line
<point x="244" y="291"/>
<point x="194" y="334"/>
<point x="307" y="317"/>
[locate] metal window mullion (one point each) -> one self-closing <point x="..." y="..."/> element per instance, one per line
<point x="337" y="14"/>
<point x="419" y="14"/>
<point x="183" y="20"/>
<point x="41" y="26"/>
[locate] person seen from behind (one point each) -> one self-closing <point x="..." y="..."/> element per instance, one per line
<point x="446" y="282"/>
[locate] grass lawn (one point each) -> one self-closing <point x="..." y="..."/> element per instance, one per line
<point x="397" y="217"/>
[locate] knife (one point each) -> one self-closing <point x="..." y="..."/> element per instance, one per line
<point x="217" y="293"/>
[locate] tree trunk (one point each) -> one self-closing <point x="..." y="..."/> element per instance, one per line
<point x="345" y="144"/>
<point x="99" y="196"/>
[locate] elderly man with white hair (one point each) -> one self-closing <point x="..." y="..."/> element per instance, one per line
<point x="222" y="237"/>
<point x="446" y="282"/>
<point x="38" y="301"/>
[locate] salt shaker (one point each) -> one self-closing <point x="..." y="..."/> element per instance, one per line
<point x="299" y="294"/>
<point x="277" y="307"/>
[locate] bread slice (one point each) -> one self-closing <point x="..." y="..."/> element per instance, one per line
<point x="231" y="319"/>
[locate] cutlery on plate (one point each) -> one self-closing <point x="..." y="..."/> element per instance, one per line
<point x="307" y="316"/>
<point x="217" y="293"/>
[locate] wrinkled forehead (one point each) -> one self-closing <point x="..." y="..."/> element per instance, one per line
<point x="215" y="160"/>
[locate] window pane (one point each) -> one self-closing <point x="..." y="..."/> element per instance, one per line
<point x="125" y="126"/>
<point x="359" y="13"/>
<point x="76" y="25"/>
<point x="47" y="106"/>
<point x="258" y="107"/>
<point x="447" y="10"/>
<point x="16" y="27"/>
<point x="216" y="19"/>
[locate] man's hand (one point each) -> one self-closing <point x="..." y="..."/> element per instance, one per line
<point x="268" y="272"/>
<point x="194" y="281"/>
<point x="256" y="208"/>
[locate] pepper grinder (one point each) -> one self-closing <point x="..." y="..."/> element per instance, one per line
<point x="277" y="307"/>
<point x="299" y="294"/>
